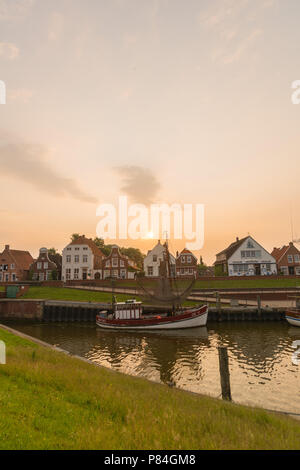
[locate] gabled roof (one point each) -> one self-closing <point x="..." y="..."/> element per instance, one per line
<point x="23" y="259"/>
<point x="185" y="251"/>
<point x="228" y="252"/>
<point x="279" y="253"/>
<point x="89" y="242"/>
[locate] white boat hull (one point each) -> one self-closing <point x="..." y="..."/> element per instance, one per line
<point x="196" y="318"/>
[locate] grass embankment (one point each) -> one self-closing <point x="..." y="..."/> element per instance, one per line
<point x="78" y="295"/>
<point x="216" y="283"/>
<point x="52" y="401"/>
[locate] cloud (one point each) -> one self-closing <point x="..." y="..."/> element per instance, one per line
<point x="56" y="26"/>
<point x="27" y="163"/>
<point x="20" y="95"/>
<point x="11" y="10"/>
<point x="140" y="184"/>
<point x="9" y="51"/>
<point x="235" y="25"/>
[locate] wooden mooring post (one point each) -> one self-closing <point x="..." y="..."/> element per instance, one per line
<point x="224" y="373"/>
<point x="259" y="305"/>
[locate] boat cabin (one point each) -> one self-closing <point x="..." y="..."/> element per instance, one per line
<point x="128" y="310"/>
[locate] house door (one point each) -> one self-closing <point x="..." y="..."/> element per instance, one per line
<point x="291" y="270"/>
<point x="257" y="270"/>
<point x="84" y="275"/>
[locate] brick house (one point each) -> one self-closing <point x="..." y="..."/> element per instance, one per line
<point x="82" y="260"/>
<point x="245" y="257"/>
<point x="118" y="265"/>
<point x="287" y="259"/>
<point x="44" y="268"/>
<point x="14" y="265"/>
<point x="186" y="264"/>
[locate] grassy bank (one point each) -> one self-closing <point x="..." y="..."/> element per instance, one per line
<point x="51" y="401"/>
<point x="61" y="293"/>
<point x="78" y="295"/>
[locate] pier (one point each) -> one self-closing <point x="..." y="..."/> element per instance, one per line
<point x="69" y="311"/>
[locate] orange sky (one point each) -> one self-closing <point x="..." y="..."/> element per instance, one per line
<point x="195" y="99"/>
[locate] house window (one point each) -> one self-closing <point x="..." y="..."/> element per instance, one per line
<point x="45" y="265"/>
<point x="297" y="271"/>
<point x="107" y="264"/>
<point x="115" y="273"/>
<point x="290" y="258"/>
<point x="69" y="249"/>
<point x="150" y="270"/>
<point x="183" y="259"/>
<point x="191" y="270"/>
<point x="115" y="262"/>
<point x="68" y="259"/>
<point x="39" y="265"/>
<point x="76" y="273"/>
<point x="76" y="249"/>
<point x="123" y="273"/>
<point x="268" y="267"/>
<point x="12" y="266"/>
<point x="77" y="259"/>
<point x="297" y="258"/>
<point x="189" y="259"/>
<point x="85" y="248"/>
<point x="13" y="277"/>
<point x="122" y="264"/>
<point x="68" y="274"/>
<point x="154" y="258"/>
<point x="85" y="258"/>
<point x="284" y="270"/>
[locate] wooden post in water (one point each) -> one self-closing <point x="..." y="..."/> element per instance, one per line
<point x="259" y="305"/>
<point x="224" y="373"/>
<point x="218" y="304"/>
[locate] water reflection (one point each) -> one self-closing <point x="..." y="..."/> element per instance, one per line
<point x="262" y="372"/>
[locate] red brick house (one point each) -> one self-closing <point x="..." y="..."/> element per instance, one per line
<point x="186" y="264"/>
<point x="14" y="265"/>
<point x="44" y="268"/>
<point x="287" y="259"/>
<point x="118" y="265"/>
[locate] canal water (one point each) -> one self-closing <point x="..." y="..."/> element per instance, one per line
<point x="262" y="369"/>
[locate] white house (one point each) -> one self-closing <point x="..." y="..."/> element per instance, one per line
<point x="154" y="258"/>
<point x="245" y="257"/>
<point x="81" y="260"/>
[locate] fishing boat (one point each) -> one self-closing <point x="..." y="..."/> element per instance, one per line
<point x="129" y="315"/>
<point x="293" y="317"/>
<point x="293" y="314"/>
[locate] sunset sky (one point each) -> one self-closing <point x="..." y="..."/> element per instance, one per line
<point x="166" y="101"/>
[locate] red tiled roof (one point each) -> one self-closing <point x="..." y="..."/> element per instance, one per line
<point x="88" y="241"/>
<point x="232" y="248"/>
<point x="23" y="259"/>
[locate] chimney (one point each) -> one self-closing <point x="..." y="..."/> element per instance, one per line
<point x="291" y="244"/>
<point x="237" y="239"/>
<point x="7" y="247"/>
<point x="177" y="254"/>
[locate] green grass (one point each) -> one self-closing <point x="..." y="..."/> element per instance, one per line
<point x="59" y="293"/>
<point x="78" y="295"/>
<point x="51" y="401"/>
<point x="247" y="283"/>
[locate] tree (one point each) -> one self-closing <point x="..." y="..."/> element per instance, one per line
<point x="135" y="255"/>
<point x="52" y="251"/>
<point x="75" y="236"/>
